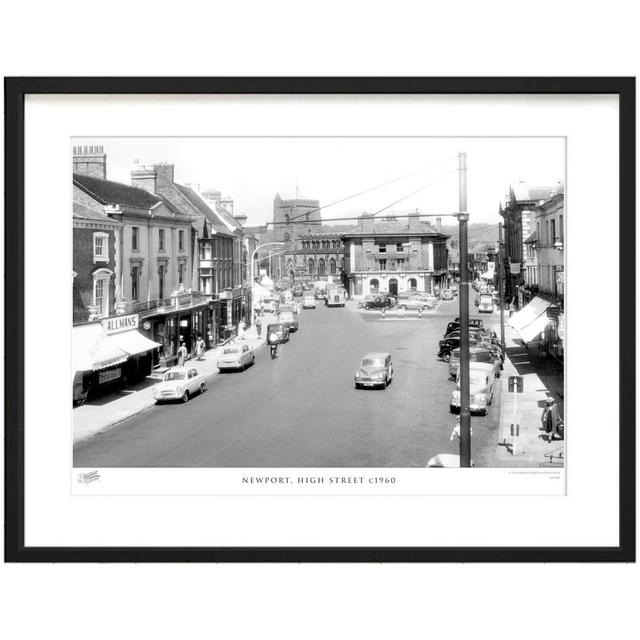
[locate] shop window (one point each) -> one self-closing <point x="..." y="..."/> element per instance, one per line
<point x="135" y="238"/>
<point x="100" y="247"/>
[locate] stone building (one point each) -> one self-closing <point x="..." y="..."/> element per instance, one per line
<point x="398" y="256"/>
<point x="518" y="214"/>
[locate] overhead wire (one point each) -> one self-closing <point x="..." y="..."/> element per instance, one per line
<point x="379" y="186"/>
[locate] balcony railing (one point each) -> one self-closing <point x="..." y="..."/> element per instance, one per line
<point x="180" y="301"/>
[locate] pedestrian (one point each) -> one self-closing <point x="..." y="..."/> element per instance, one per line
<point x="182" y="354"/>
<point x="512" y="308"/>
<point x="550" y="419"/>
<point x="199" y="347"/>
<point x="258" y="324"/>
<point x="384" y="312"/>
<point x="241" y="329"/>
<point x="419" y="313"/>
<point x="261" y="306"/>
<point x="401" y="312"/>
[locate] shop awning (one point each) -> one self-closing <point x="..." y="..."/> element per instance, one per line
<point x="531" y="319"/>
<point x="93" y="349"/>
<point x="133" y="342"/>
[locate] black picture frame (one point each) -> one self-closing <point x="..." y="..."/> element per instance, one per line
<point x="15" y="91"/>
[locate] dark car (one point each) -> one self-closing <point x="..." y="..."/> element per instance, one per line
<point x="474" y="323"/>
<point x="320" y="294"/>
<point x="280" y="329"/>
<point x="288" y="318"/>
<point x="380" y="302"/>
<point x="447" y="345"/>
<point x="298" y="290"/>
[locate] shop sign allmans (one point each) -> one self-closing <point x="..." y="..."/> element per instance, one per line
<point x="120" y="323"/>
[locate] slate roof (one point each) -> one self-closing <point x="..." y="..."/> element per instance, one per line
<point x="396" y="229"/>
<point x="205" y="211"/>
<point x="109" y="192"/>
<point x="525" y="193"/>
<point x="81" y="212"/>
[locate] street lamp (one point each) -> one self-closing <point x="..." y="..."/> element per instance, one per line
<point x="260" y="246"/>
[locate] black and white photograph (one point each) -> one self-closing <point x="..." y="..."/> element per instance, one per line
<point x="355" y="302"/>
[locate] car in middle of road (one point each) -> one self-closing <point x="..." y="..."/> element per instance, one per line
<point x="308" y="302"/>
<point x="288" y="318"/>
<point x="379" y="302"/>
<point x="376" y="370"/>
<point x="414" y="304"/>
<point x="447" y="294"/>
<point x="280" y="329"/>
<point x="236" y="356"/>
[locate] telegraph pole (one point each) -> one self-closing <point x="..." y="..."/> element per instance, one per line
<point x="501" y="283"/>
<point x="463" y="298"/>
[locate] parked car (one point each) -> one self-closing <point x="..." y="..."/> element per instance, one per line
<point x="424" y="295"/>
<point x="320" y="294"/>
<point x="288" y="318"/>
<point x="447" y="345"/>
<point x="380" y="302"/>
<point x="280" y="329"/>
<point x="476" y="354"/>
<point x="308" y="302"/>
<point x="474" y="323"/>
<point x="179" y="383"/>
<point x="447" y="294"/>
<point x="236" y="356"/>
<point x="481" y="381"/>
<point x="268" y="305"/>
<point x="376" y="370"/>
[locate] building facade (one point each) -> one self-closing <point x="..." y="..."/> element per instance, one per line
<point x="95" y="235"/>
<point x="394" y="256"/>
<point x="518" y="214"/>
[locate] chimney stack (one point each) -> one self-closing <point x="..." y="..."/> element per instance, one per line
<point x="227" y="203"/>
<point x="145" y="178"/>
<point x="241" y="219"/>
<point x="439" y="224"/>
<point x="366" y="223"/>
<point x="90" y="161"/>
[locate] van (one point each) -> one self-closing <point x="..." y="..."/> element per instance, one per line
<point x="485" y="303"/>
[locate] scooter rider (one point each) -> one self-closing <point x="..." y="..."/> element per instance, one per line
<point x="273" y="343"/>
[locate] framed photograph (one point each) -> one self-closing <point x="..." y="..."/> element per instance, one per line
<point x="320" y="319"/>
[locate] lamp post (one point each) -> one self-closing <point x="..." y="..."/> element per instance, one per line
<point x="260" y="246"/>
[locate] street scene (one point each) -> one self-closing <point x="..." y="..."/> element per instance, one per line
<point x="316" y="332"/>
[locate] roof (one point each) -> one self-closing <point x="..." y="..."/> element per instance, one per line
<point x="109" y="192"/>
<point x="531" y="238"/>
<point x="376" y="355"/>
<point x="203" y="208"/>
<point x="396" y="229"/>
<point x="82" y="212"/>
<point x="524" y="193"/>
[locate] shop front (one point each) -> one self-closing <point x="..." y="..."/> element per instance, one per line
<point x="184" y="321"/>
<point x="108" y="355"/>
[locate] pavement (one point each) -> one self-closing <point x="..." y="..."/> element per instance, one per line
<point x="102" y="413"/>
<point x="542" y="379"/>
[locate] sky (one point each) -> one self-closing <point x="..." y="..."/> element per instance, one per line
<point x="252" y="170"/>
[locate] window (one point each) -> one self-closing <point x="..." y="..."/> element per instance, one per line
<point x="561" y="229"/>
<point x="161" y="282"/>
<point x="100" y="247"/>
<point x="181" y="240"/>
<point x="135" y="282"/>
<point x="287" y="219"/>
<point x="310" y="266"/>
<point x="135" y="232"/>
<point x="553" y="231"/>
<point x="206" y="280"/>
<point x="101" y="292"/>
<point x="161" y="240"/>
<point x="332" y="267"/>
<point x="382" y="248"/>
<point x="399" y="247"/>
<point x="321" y="267"/>
<point x="180" y="274"/>
<point x="400" y="264"/>
<point x="382" y="264"/>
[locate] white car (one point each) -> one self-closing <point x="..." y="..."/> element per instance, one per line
<point x="481" y="382"/>
<point x="236" y="356"/>
<point x="179" y="383"/>
<point x="308" y="302"/>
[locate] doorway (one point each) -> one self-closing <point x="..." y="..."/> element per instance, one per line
<point x="393" y="287"/>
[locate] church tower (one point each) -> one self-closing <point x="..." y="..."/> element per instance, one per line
<point x="294" y="218"/>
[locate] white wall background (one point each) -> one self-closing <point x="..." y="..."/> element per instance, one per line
<point x="328" y="38"/>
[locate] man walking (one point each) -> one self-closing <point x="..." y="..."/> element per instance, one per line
<point x="258" y="324"/>
<point x="182" y="354"/>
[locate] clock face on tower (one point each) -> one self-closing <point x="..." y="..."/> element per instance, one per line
<point x="287" y="237"/>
